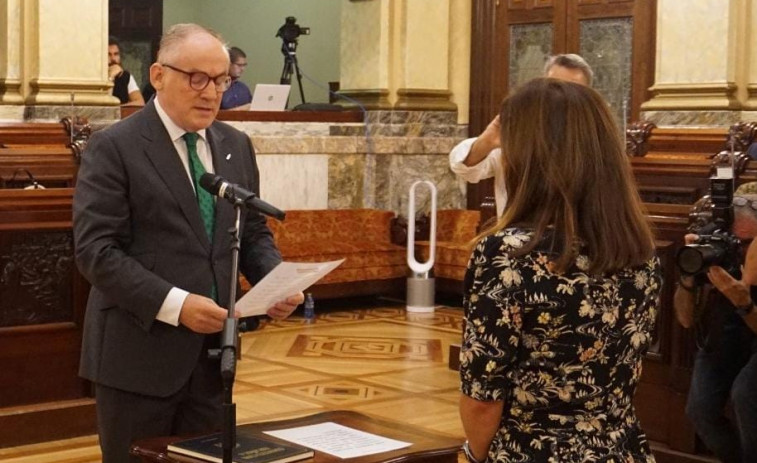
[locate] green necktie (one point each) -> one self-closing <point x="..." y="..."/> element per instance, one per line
<point x="204" y="199"/>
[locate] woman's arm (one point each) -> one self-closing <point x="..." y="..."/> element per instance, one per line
<point x="480" y="423"/>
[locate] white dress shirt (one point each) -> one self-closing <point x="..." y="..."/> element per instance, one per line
<point x="171" y="307"/>
<point x="490" y="166"/>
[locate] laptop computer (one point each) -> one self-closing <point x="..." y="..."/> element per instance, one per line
<point x="270" y="97"/>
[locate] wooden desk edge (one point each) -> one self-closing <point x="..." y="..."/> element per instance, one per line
<point x="433" y="448"/>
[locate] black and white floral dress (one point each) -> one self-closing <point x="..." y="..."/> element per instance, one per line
<point x="563" y="351"/>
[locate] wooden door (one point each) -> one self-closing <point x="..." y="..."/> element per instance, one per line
<point x="513" y="38"/>
<point x="138" y="26"/>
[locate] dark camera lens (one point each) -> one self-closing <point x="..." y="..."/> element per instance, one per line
<point x="695" y="258"/>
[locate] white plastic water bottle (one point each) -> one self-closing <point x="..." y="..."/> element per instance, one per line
<point x="309" y="308"/>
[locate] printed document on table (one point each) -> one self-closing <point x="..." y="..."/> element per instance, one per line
<point x="338" y="440"/>
<point x="287" y="279"/>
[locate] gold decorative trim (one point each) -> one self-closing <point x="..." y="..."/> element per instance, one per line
<point x="377" y="98"/>
<point x="693" y="97"/>
<point x="424" y="99"/>
<point x="58" y="92"/>
<point x="10" y="92"/>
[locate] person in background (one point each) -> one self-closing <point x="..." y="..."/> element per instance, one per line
<point x="238" y="96"/>
<point x="476" y="159"/>
<point x="125" y="88"/>
<point x="725" y="366"/>
<point x="155" y="247"/>
<point x="561" y="295"/>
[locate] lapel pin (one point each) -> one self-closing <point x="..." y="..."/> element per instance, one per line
<point x="228" y="156"/>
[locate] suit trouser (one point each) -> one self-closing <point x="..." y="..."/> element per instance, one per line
<point x="123" y="417"/>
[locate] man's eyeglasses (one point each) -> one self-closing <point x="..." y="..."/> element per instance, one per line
<point x="740" y="202"/>
<point x="199" y="80"/>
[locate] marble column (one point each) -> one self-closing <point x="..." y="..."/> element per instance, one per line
<point x="56" y="58"/>
<point x="749" y="39"/>
<point x="396" y="53"/>
<point x="421" y="64"/>
<point x="10" y="52"/>
<point x="699" y="74"/>
<point x="365" y="52"/>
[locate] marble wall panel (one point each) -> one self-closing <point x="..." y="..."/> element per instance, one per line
<point x="295" y="181"/>
<point x="311" y="129"/>
<point x="694" y="118"/>
<point x="347" y="175"/>
<point x="11" y="113"/>
<point x="395" y="175"/>
<point x="336" y="166"/>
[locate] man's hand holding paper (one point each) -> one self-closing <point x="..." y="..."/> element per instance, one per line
<point x="279" y="292"/>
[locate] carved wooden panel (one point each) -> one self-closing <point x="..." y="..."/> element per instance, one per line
<point x="36" y="274"/>
<point x="138" y="25"/>
<point x="602" y="2"/>
<point x="529" y="4"/>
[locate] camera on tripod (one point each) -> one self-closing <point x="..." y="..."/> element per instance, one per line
<point x="291" y="31"/>
<point x="715" y="245"/>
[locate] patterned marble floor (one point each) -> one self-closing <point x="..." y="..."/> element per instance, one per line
<point x="378" y="360"/>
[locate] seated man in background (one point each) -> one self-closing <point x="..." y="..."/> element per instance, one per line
<point x="725" y="366"/>
<point x="238" y="96"/>
<point x="476" y="159"/>
<point x="125" y="88"/>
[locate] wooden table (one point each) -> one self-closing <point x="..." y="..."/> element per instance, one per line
<point x="428" y="447"/>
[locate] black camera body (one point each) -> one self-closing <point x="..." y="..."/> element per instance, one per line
<point x="716" y="245"/>
<point x="291" y="31"/>
<point x="718" y="248"/>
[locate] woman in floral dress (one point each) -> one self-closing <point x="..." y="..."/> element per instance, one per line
<point x="561" y="295"/>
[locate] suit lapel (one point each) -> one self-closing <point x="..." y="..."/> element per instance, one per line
<point x="222" y="166"/>
<point x="161" y="152"/>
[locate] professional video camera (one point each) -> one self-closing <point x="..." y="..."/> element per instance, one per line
<point x="291" y="31"/>
<point x="715" y="245"/>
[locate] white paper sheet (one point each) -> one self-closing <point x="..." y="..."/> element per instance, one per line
<point x="287" y="279"/>
<point x="338" y="440"/>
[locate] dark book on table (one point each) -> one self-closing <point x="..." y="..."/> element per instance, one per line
<point x="249" y="449"/>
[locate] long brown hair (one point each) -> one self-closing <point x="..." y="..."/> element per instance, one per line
<point x="566" y="170"/>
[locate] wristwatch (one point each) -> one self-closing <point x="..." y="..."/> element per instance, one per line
<point x="745" y="309"/>
<point x="468" y="455"/>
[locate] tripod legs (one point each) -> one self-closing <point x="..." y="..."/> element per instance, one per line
<point x="291" y="67"/>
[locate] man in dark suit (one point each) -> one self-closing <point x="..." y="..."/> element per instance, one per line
<point x="156" y="249"/>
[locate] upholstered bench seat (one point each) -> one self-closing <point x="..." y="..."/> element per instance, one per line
<point x="373" y="264"/>
<point x="363" y="260"/>
<point x="455" y="228"/>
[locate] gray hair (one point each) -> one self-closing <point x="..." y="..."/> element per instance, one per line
<point x="178" y="33"/>
<point x="571" y="61"/>
<point x="747" y="210"/>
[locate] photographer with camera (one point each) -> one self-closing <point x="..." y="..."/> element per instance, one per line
<point x="726" y="362"/>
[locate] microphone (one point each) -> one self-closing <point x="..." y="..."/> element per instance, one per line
<point x="217" y="186"/>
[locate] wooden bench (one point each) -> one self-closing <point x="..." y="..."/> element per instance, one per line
<point x="48" y="152"/>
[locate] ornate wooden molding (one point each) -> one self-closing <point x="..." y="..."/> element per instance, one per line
<point x="740" y="136"/>
<point x="637" y="136"/>
<point x="377" y="98"/>
<point x="693" y="96"/>
<point x="80" y="131"/>
<point x="424" y="99"/>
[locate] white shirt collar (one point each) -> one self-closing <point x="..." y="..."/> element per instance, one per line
<point x="174" y="131"/>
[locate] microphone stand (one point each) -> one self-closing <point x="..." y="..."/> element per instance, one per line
<point x="229" y="346"/>
<point x="230" y="334"/>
